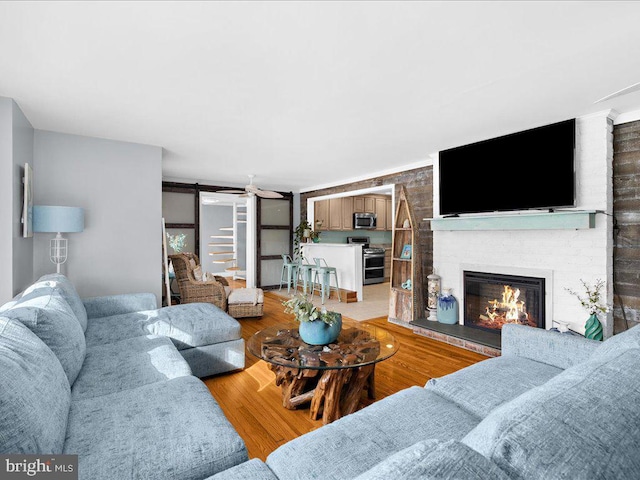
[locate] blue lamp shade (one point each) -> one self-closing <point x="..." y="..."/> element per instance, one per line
<point x="57" y="219"/>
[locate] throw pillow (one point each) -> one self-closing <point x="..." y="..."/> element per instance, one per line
<point x="35" y="393"/>
<point x="69" y="293"/>
<point x="197" y="273"/>
<point x="50" y="317"/>
<point x="209" y="277"/>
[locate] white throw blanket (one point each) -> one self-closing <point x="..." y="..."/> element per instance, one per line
<point x="253" y="296"/>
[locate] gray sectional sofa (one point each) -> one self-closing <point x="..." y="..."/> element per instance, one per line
<point x="106" y="379"/>
<point x="553" y="406"/>
<point x="110" y="379"/>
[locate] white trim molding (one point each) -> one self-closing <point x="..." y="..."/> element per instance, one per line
<point x="627" y="117"/>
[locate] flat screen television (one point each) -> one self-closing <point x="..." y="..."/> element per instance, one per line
<point x="533" y="169"/>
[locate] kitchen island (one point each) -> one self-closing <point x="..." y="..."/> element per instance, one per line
<point x="347" y="258"/>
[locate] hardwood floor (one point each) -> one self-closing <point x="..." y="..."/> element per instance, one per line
<point x="253" y="404"/>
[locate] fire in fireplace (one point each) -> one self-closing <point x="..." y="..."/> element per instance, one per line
<point x="492" y="300"/>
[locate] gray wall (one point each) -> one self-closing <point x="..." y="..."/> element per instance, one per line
<point x="16" y="149"/>
<point x="119" y="185"/>
<point x="22" y="153"/>
<point x="6" y="199"/>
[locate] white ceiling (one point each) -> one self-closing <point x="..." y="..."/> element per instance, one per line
<point x="304" y="94"/>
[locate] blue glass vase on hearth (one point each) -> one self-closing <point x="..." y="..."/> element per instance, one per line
<point x="447" y="308"/>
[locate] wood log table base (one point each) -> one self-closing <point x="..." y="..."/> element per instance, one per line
<point x="332" y="392"/>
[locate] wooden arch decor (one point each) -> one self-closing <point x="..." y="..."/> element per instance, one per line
<point x="406" y="299"/>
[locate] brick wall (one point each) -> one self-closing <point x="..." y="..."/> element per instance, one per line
<point x="626" y="209"/>
<point x="419" y="187"/>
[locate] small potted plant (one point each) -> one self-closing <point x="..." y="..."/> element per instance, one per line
<point x="317" y="327"/>
<point x="593" y="304"/>
<point x="314" y="235"/>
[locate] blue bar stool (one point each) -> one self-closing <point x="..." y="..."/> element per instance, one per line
<point x="325" y="272"/>
<point x="305" y="271"/>
<point x="290" y="271"/>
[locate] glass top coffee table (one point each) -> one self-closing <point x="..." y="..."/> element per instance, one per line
<point x="331" y="377"/>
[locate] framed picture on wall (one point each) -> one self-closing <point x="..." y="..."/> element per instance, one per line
<point x="27" y="202"/>
<point x="406" y="252"/>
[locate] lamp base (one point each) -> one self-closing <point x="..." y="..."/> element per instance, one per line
<point x="58" y="251"/>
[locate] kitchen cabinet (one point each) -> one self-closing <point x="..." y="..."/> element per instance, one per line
<point x="335" y="214"/>
<point x="364" y="204"/>
<point x="321" y="215"/>
<point x="347" y="213"/>
<point x="339" y="214"/>
<point x="381" y="213"/>
<point x="369" y="204"/>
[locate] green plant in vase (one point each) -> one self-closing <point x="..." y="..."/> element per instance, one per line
<point x="314" y="235"/>
<point x="301" y="231"/>
<point x="317" y="327"/>
<point x="594" y="305"/>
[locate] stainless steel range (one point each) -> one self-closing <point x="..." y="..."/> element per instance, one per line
<point x="372" y="261"/>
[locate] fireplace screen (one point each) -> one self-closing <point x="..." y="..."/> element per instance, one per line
<point x="491" y="300"/>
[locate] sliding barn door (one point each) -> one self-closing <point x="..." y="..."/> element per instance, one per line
<point x="274" y="238"/>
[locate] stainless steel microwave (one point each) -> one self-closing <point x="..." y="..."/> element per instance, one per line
<point x="366" y="221"/>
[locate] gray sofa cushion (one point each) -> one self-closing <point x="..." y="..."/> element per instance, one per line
<point x="353" y="444"/>
<point x="434" y="459"/>
<point x="49" y="316"/>
<point x="188" y="325"/>
<point x="619" y="343"/>
<point x="483" y="386"/>
<point x="128" y="364"/>
<point x="583" y="423"/>
<point x="109" y="305"/>
<point x="34" y="393"/>
<point x="165" y="430"/>
<point x="560" y="350"/>
<point x="254" y="469"/>
<point x="69" y="293"/>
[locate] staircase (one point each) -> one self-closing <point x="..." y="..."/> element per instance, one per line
<point x="225" y="245"/>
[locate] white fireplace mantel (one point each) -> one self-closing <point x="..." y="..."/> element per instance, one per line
<point x="569" y="242"/>
<point x="574" y="219"/>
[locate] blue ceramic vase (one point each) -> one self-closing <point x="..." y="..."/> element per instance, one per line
<point x="447" y="308"/>
<point x="319" y="333"/>
<point x="593" y="328"/>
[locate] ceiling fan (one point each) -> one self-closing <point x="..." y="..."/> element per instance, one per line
<point x="251" y="190"/>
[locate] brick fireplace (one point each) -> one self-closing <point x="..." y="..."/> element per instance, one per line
<point x="561" y="256"/>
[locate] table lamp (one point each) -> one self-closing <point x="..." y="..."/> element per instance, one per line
<point x="58" y="220"/>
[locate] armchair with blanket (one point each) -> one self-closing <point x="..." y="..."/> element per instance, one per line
<point x="196" y="286"/>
